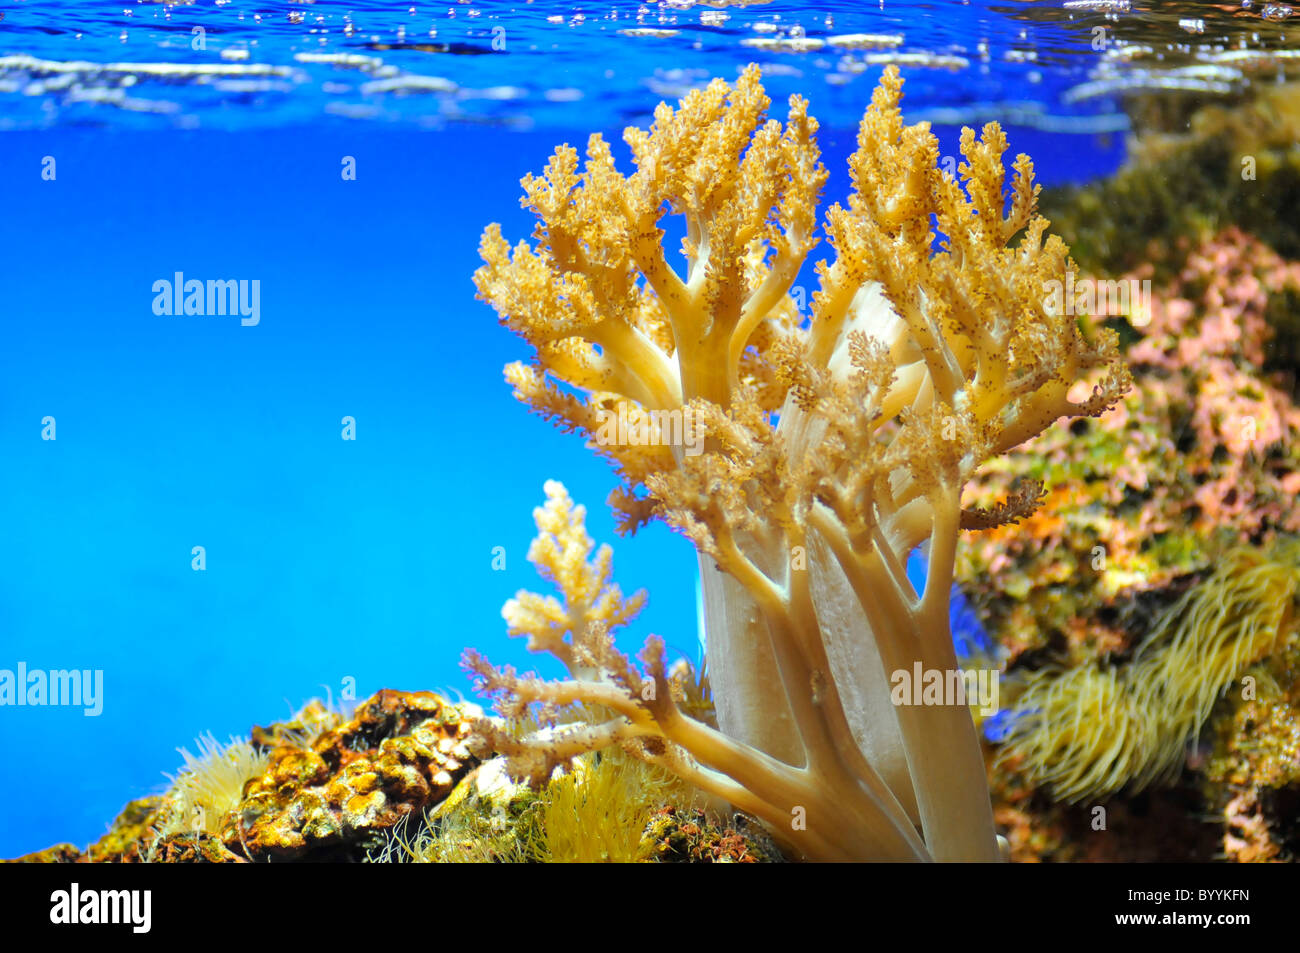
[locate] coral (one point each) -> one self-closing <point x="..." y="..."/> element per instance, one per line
<point x="829" y="452"/>
<point x="1088" y="731"/>
<point x="592" y="610"/>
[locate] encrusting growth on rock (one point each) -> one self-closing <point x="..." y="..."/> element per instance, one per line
<point x="807" y="458"/>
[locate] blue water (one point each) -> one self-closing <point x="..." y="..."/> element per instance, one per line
<point x="332" y="563"/>
<point x="238" y="65"/>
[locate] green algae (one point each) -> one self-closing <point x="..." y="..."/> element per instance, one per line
<point x="1234" y="164"/>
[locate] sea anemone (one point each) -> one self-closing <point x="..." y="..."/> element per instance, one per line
<point x="211" y="785"/>
<point x="1090" y="730"/>
<point x="598" y="812"/>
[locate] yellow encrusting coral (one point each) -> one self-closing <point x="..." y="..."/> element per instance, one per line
<point x="806" y="459"/>
<point x="1089" y="731"/>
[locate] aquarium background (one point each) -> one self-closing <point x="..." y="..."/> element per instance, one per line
<point x="339" y="566"/>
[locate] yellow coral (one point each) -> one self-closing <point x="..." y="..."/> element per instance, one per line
<point x="562" y="555"/>
<point x="834" y="448"/>
<point x="592" y="609"/>
<point x="1089" y="731"/>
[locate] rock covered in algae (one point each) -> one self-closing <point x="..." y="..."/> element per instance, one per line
<point x="406" y="778"/>
<point x="604" y="808"/>
<point x="690" y="836"/>
<point x="1201" y="461"/>
<point x="134" y="837"/>
<point x="325" y="787"/>
<point x="1226" y="164"/>
<point x="1200" y="464"/>
<point x="400" y="752"/>
<point x="1202" y="456"/>
<point x="1253" y="772"/>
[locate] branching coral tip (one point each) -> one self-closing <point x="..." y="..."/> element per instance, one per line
<point x="834" y="447"/>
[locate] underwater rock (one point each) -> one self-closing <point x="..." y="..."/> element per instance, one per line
<point x="1157" y="826"/>
<point x="400" y="781"/>
<point x="200" y="848"/>
<point x="1232" y="164"/>
<point x="125" y="841"/>
<point x="605" y="808"/>
<point x="328" y="788"/>
<point x="1249" y="838"/>
<point x="677" y="836"/>
<point x="1203" y="456"/>
<point x="1253" y="771"/>
<point x="1201" y="462"/>
<point x="401" y="752"/>
<point x="1090" y="730"/>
